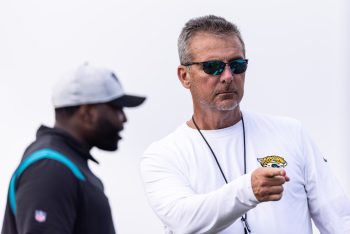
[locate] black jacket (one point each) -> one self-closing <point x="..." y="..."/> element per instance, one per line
<point x="50" y="199"/>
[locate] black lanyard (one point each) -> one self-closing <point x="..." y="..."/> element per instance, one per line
<point x="244" y="217"/>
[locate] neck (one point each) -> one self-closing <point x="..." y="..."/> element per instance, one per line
<point x="72" y="131"/>
<point x="215" y="120"/>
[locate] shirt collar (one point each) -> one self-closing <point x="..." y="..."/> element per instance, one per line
<point x="83" y="149"/>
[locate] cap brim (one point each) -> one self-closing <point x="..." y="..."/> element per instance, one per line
<point x="128" y="101"/>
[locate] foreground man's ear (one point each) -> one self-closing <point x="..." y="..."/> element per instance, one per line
<point x="87" y="114"/>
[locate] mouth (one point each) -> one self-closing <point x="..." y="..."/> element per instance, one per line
<point x="226" y="93"/>
<point x="118" y="136"/>
<point x="226" y="90"/>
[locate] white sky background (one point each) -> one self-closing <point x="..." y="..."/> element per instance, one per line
<point x="298" y="54"/>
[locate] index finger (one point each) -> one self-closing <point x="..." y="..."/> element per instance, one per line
<point x="272" y="172"/>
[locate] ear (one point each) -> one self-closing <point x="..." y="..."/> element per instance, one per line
<point x="184" y="76"/>
<point x="87" y="114"/>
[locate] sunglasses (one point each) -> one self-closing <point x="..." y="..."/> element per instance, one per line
<point x="216" y="67"/>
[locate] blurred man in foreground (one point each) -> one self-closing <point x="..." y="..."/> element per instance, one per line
<point x="53" y="191"/>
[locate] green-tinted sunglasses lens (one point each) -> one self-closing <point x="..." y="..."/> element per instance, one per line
<point x="213" y="67"/>
<point x="238" y="66"/>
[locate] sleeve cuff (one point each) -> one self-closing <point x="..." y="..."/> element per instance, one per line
<point x="246" y="194"/>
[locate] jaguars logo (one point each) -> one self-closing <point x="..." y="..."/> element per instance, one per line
<point x="272" y="161"/>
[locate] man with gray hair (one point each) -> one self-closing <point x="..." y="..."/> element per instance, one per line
<point x="230" y="171"/>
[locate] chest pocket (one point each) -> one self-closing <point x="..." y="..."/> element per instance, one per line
<point x="34" y="157"/>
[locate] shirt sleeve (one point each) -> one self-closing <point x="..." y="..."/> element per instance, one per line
<point x="184" y="211"/>
<point x="47" y="199"/>
<point x="328" y="203"/>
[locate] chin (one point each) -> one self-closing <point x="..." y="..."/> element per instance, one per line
<point x="109" y="147"/>
<point x="227" y="106"/>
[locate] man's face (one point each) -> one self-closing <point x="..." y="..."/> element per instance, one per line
<point x="215" y="92"/>
<point x="108" y="126"/>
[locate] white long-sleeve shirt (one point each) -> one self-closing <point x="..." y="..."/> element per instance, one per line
<point x="188" y="193"/>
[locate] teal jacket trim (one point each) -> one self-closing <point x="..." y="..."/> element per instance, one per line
<point x="34" y="157"/>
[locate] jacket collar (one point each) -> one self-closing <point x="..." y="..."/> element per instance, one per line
<point x="83" y="150"/>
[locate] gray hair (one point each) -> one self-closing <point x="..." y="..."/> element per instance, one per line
<point x="211" y="24"/>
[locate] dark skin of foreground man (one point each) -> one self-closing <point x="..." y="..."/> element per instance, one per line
<point x="57" y="193"/>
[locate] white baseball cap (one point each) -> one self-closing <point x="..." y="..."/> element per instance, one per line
<point x="91" y="85"/>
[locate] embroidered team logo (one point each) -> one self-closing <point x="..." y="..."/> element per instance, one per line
<point x="40" y="216"/>
<point x="272" y="161"/>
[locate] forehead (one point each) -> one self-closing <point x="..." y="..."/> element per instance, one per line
<point x="205" y="46"/>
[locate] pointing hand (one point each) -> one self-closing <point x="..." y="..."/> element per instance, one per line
<point x="267" y="183"/>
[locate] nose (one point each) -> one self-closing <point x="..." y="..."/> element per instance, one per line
<point x="226" y="76"/>
<point x="121" y="116"/>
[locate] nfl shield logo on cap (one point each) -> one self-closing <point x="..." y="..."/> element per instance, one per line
<point x="40" y="216"/>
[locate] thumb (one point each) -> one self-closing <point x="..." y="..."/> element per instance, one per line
<point x="272" y="172"/>
<point x="283" y="172"/>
